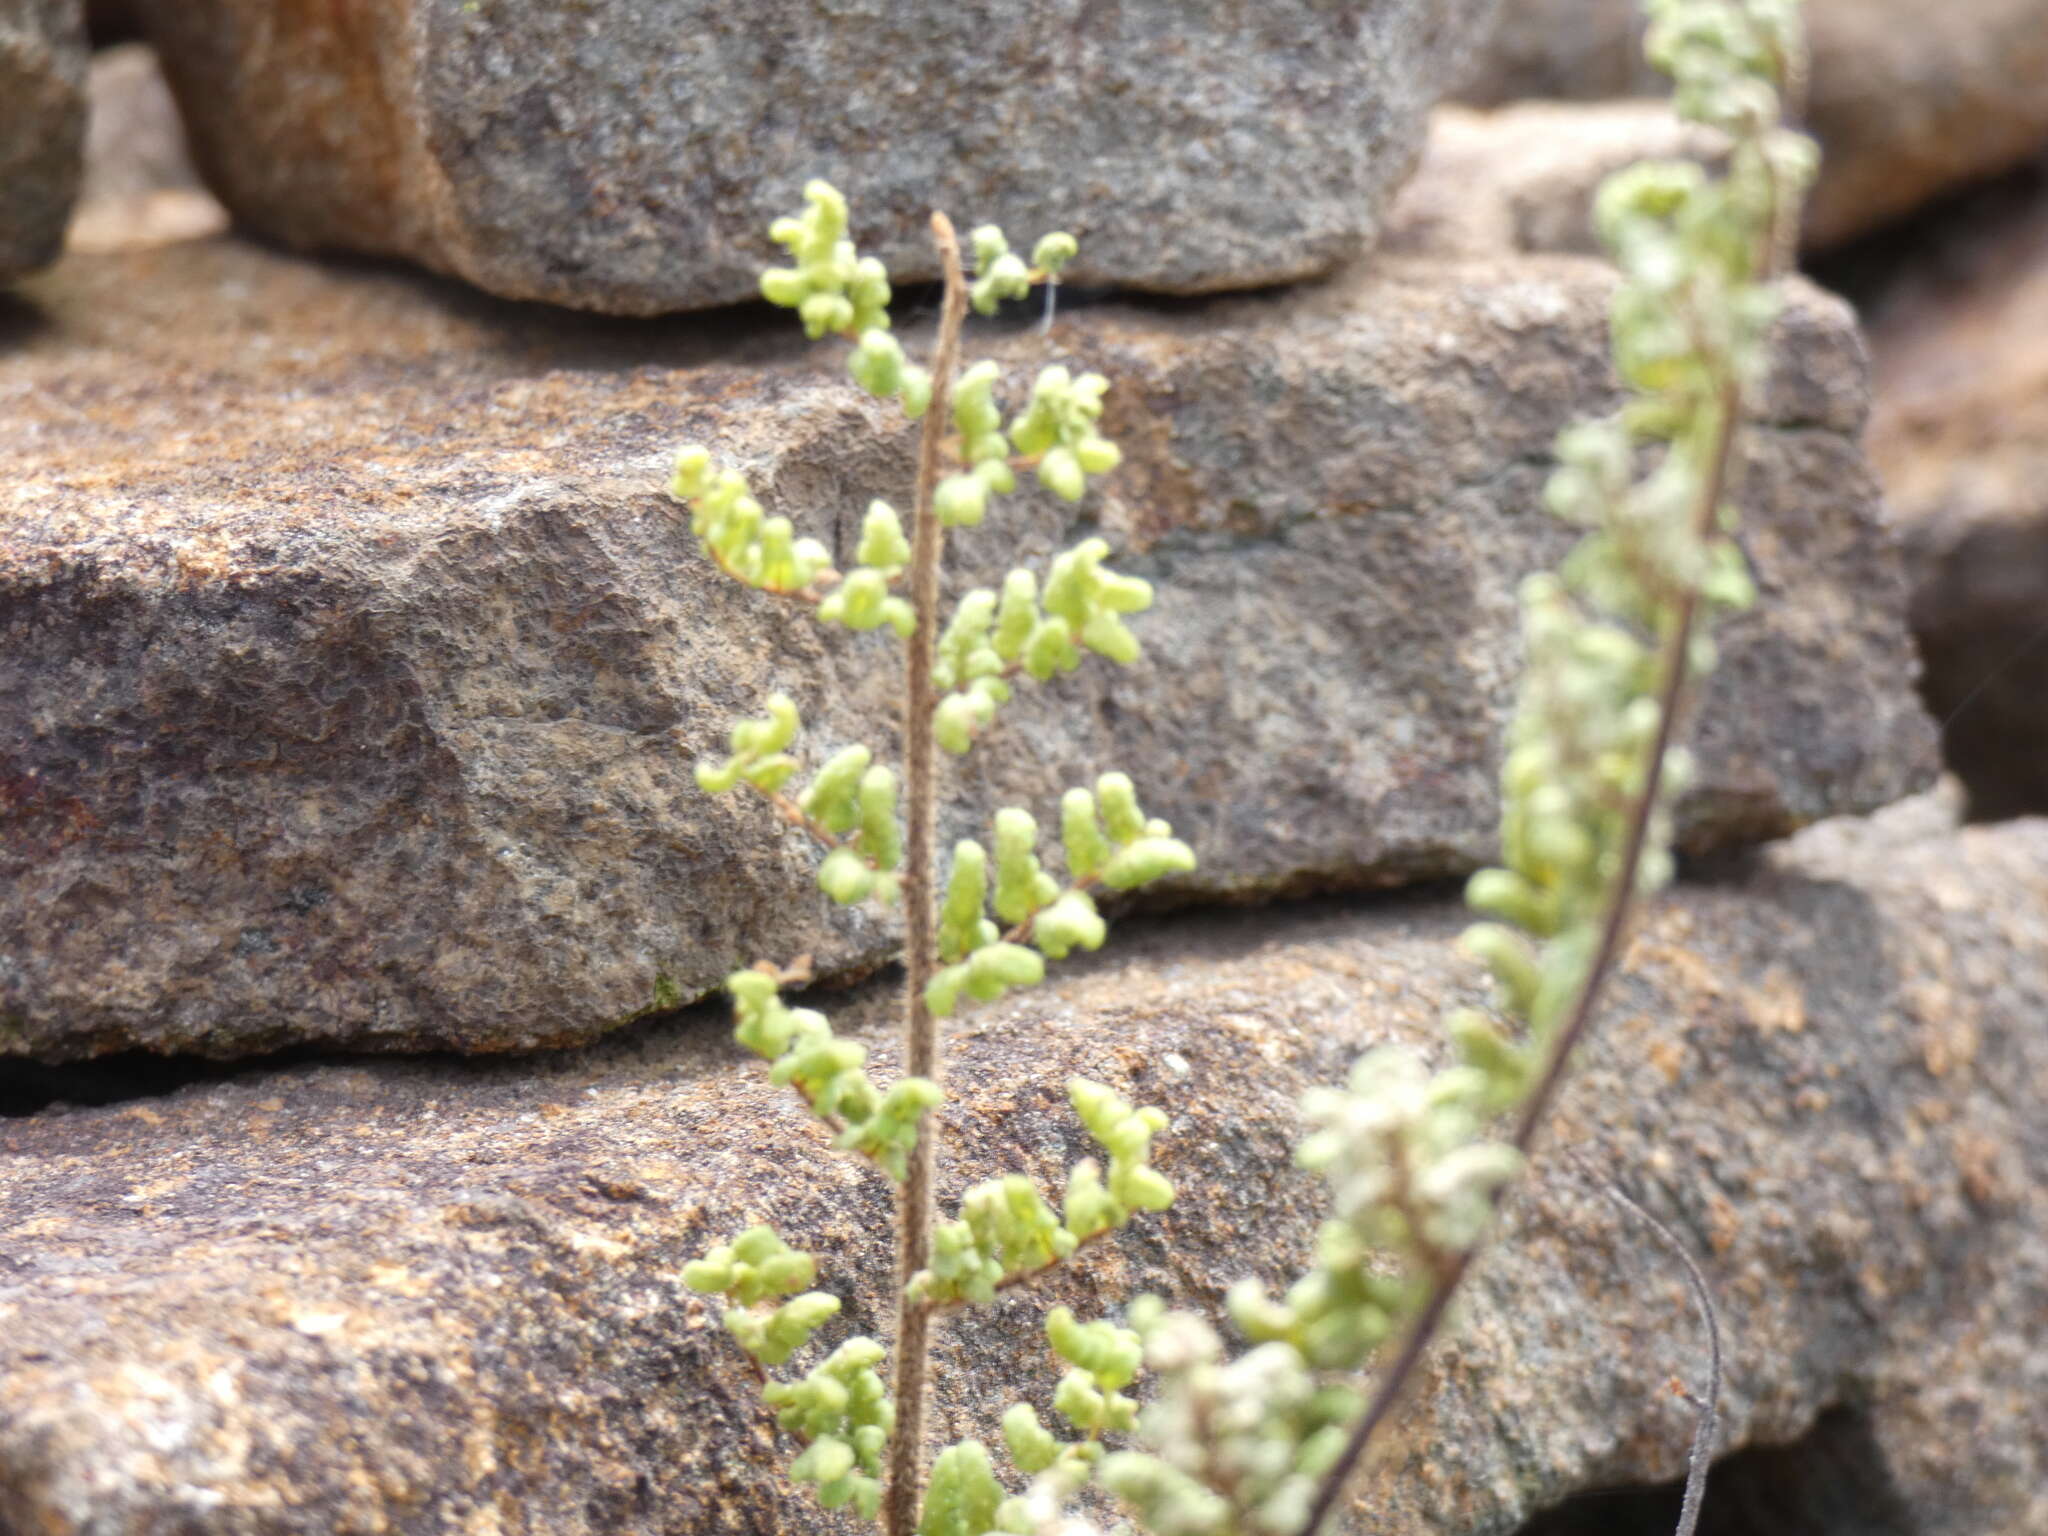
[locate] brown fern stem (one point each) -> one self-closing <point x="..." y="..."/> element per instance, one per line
<point x="920" y="922"/>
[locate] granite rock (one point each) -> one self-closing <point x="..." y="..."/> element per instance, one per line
<point x="441" y="1296"/>
<point x="628" y="158"/>
<point x="1958" y="321"/>
<point x="352" y="665"/>
<point x="42" y="128"/>
<point x="1906" y="104"/>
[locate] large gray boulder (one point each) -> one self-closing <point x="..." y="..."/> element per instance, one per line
<point x="352" y="663"/>
<point x="42" y="128"/>
<point x="1906" y="101"/>
<point x="627" y="156"/>
<point x="432" y="1297"/>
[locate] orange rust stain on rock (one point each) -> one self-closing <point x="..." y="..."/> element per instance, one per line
<point x="1724" y="1222"/>
<point x="1668" y="1057"/>
<point x="1156" y="491"/>
<point x="1777" y="1005"/>
<point x="1948" y="1044"/>
<point x="1980" y="1161"/>
<point x="344" y="47"/>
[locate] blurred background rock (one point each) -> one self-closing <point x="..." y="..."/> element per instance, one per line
<point x="1907" y="100"/>
<point x="1931" y="216"/>
<point x="139" y="187"/>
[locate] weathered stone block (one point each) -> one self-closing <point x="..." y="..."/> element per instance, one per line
<point x="352" y="665"/>
<point x="42" y="128"/>
<point x="627" y="157"/>
<point x="413" y="1297"/>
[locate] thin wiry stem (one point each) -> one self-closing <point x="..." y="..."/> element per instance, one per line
<point x="1674" y="669"/>
<point x="920" y="923"/>
<point x="1708" y="1429"/>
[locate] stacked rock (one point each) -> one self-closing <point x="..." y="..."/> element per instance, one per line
<point x="1905" y="107"/>
<point x="1957" y="311"/>
<point x="352" y="670"/>
<point x="1945" y="266"/>
<point x="618" y="157"/>
<point x="42" y="128"/>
